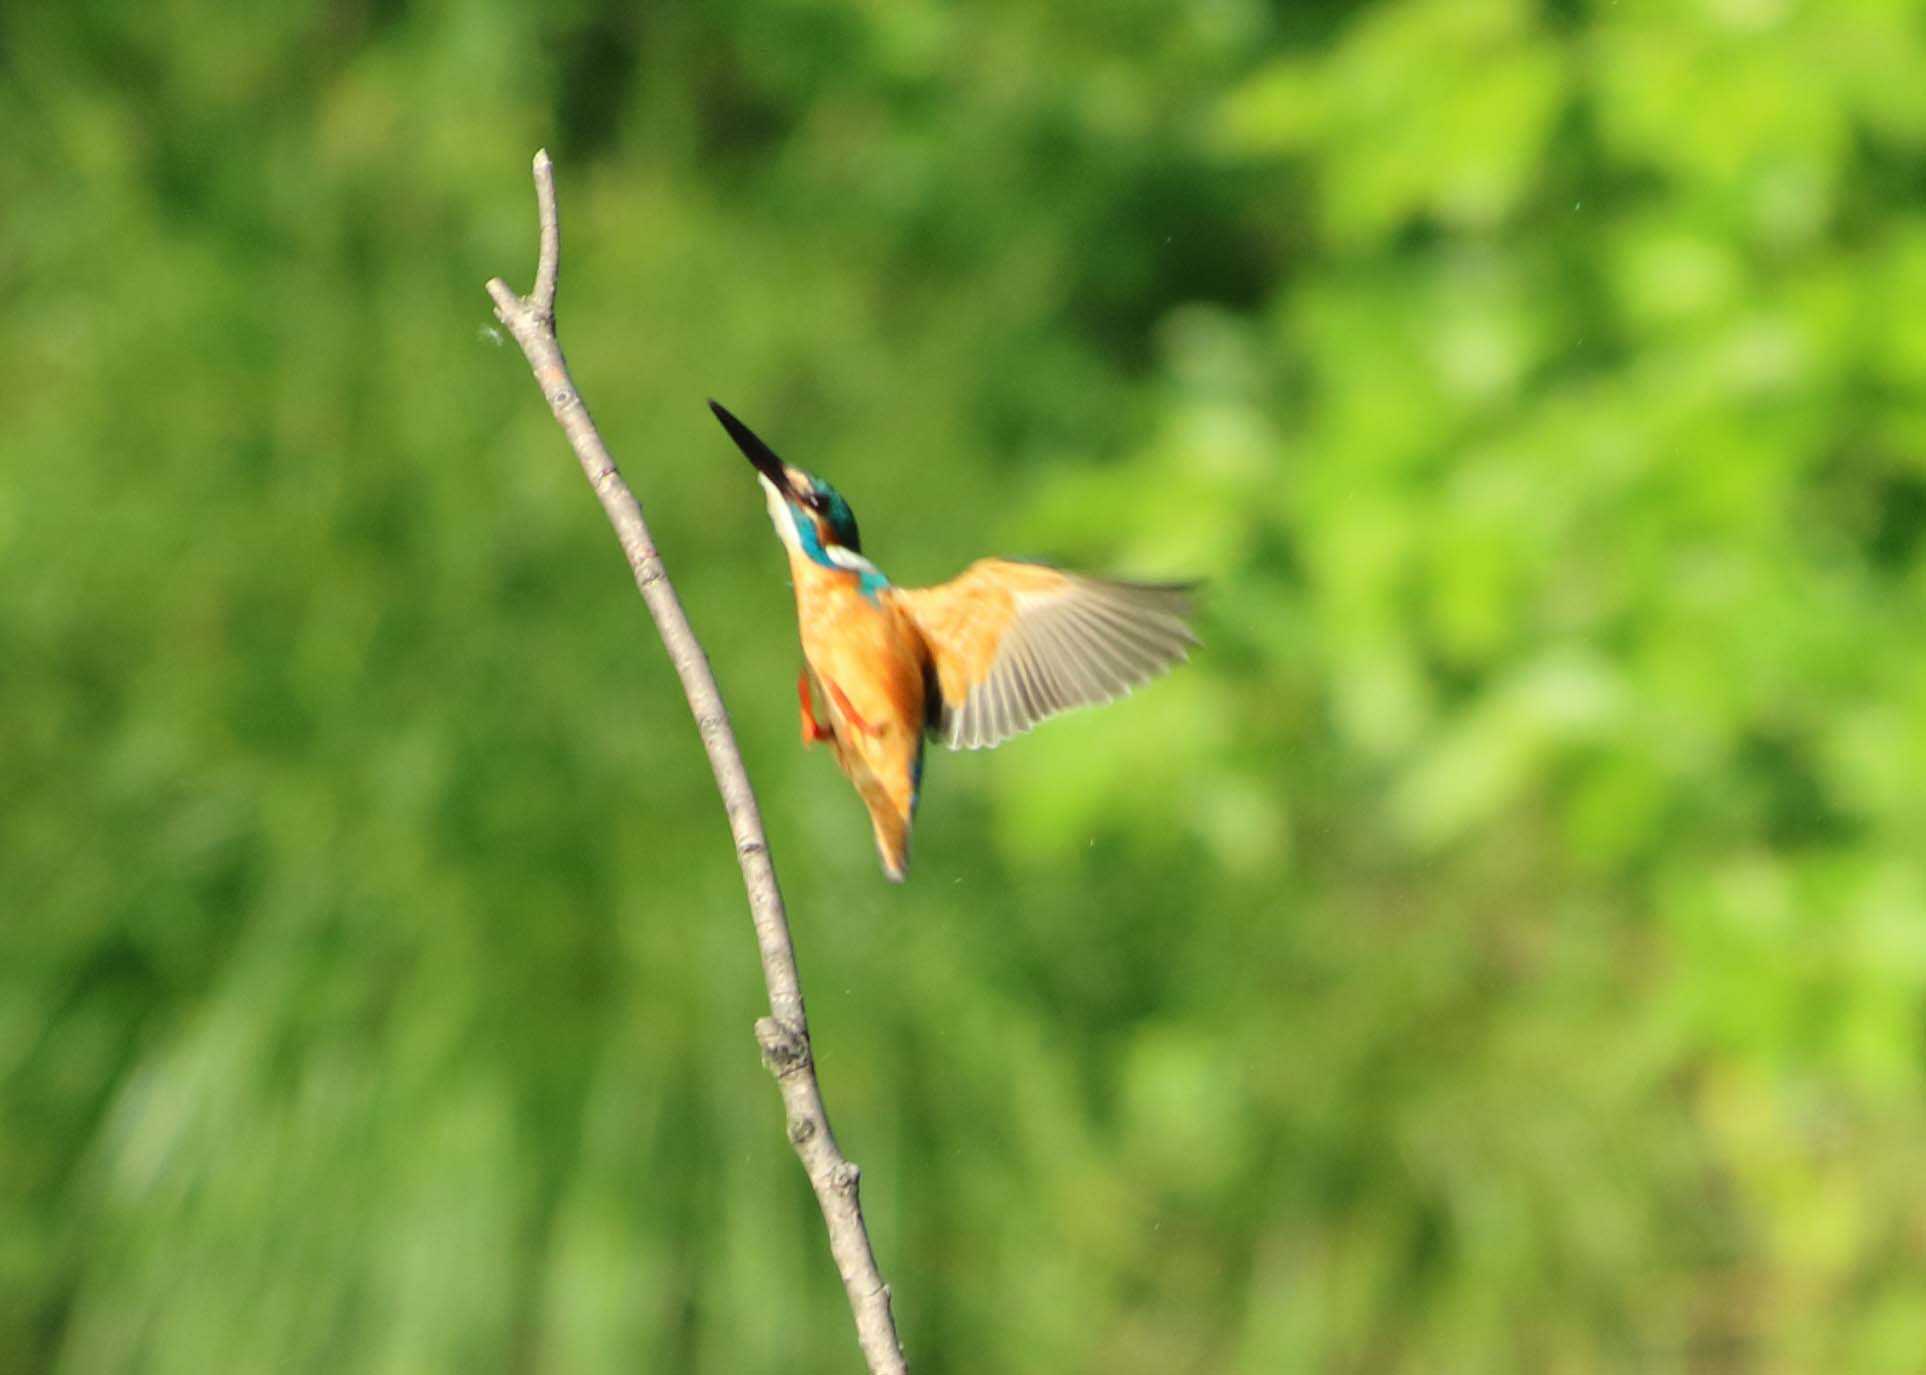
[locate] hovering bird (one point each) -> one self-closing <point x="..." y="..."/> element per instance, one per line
<point x="971" y="662"/>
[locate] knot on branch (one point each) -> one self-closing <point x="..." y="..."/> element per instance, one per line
<point x="843" y="1177"/>
<point x="785" y="1049"/>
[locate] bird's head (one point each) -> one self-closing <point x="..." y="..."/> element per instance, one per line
<point x="810" y="516"/>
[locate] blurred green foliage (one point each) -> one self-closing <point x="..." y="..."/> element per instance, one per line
<point x="1504" y="949"/>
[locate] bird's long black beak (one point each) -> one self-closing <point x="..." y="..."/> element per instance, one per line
<point x="755" y="450"/>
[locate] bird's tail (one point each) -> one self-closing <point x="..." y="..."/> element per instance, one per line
<point x="892" y="837"/>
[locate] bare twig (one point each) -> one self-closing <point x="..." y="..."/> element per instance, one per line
<point x="784" y="1034"/>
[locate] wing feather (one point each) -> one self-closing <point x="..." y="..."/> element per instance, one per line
<point x="1048" y="700"/>
<point x="1014" y="643"/>
<point x="1068" y="636"/>
<point x="1020" y="688"/>
<point x="1000" y="713"/>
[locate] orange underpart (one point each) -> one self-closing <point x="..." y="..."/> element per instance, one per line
<point x="842" y="705"/>
<point x="813" y="730"/>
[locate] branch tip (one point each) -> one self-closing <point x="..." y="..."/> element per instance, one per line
<point x="506" y="301"/>
<point x="549" y="262"/>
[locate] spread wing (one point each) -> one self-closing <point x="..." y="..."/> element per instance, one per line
<point x="1015" y="643"/>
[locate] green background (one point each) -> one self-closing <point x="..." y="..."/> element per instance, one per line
<point x="1502" y="949"/>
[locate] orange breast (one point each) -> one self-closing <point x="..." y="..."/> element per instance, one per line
<point x="868" y="657"/>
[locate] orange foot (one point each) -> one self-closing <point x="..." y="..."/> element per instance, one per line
<point x="842" y="704"/>
<point x="813" y="730"/>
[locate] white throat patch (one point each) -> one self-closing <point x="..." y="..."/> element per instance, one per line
<point x="780" y="515"/>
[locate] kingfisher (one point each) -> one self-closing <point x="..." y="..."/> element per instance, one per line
<point x="970" y="662"/>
